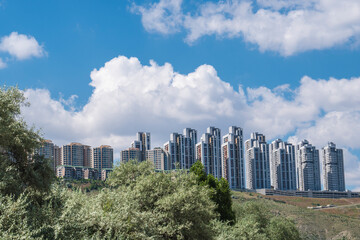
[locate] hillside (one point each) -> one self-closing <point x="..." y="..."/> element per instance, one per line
<point x="340" y="222"/>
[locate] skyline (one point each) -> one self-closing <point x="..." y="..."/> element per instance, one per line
<point x="304" y="164"/>
<point x="287" y="81"/>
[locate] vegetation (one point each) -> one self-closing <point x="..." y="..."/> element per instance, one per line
<point x="220" y="192"/>
<point x="135" y="203"/>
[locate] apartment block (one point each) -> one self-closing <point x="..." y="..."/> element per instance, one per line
<point x="76" y="172"/>
<point x="233" y="158"/>
<point x="103" y="158"/>
<point x="257" y="162"/>
<point x="333" y="168"/>
<point x="76" y="154"/>
<point x="181" y="149"/>
<point x="130" y="154"/>
<point x="208" y="151"/>
<point x="143" y="143"/>
<point x="160" y="158"/>
<point x="47" y="150"/>
<point x="307" y="167"/>
<point x="282" y="165"/>
<point x="105" y="172"/>
<point x="57" y="156"/>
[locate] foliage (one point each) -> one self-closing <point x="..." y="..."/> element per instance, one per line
<point x="220" y="192"/>
<point x="17" y="143"/>
<point x="128" y="173"/>
<point x="157" y="206"/>
<point x="256" y="223"/>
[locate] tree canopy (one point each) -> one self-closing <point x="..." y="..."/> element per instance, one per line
<point x="220" y="192"/>
<point x="21" y="169"/>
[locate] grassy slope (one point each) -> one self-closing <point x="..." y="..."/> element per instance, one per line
<point x="313" y="224"/>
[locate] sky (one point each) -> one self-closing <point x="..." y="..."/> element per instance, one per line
<point x="97" y="72"/>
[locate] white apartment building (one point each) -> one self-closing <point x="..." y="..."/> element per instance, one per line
<point x="233" y="158"/>
<point x="282" y="165"/>
<point x="208" y="151"/>
<point x="257" y="162"/>
<point x="181" y="149"/>
<point x="307" y="167"/>
<point x="333" y="168"/>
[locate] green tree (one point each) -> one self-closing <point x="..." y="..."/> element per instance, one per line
<point x="128" y="173"/>
<point x="17" y="144"/>
<point x="220" y="192"/>
<point x="155" y="206"/>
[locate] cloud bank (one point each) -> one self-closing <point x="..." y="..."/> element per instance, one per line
<point x="129" y="97"/>
<point x="286" y="27"/>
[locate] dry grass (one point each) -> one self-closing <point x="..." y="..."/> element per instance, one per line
<point x="311" y="202"/>
<point x="332" y="223"/>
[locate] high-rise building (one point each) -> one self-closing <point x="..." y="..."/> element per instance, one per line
<point x="57" y="156"/>
<point x="181" y="148"/>
<point x="76" y="154"/>
<point x="47" y="149"/>
<point x="233" y="158"/>
<point x="282" y="165"/>
<point x="103" y="158"/>
<point x="208" y="151"/>
<point x="257" y="162"/>
<point x="307" y="167"/>
<point x="130" y="154"/>
<point x="143" y="143"/>
<point x="159" y="157"/>
<point x="333" y="168"/>
<point x="87" y="156"/>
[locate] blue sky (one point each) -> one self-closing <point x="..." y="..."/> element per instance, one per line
<point x="257" y="45"/>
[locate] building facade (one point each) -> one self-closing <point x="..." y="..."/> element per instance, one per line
<point x="333" y="168"/>
<point x="282" y="165"/>
<point x="160" y="158"/>
<point x="130" y="154"/>
<point x="76" y="172"/>
<point x="103" y="158"/>
<point x="76" y="154"/>
<point x="208" y="151"/>
<point x="257" y="162"/>
<point x="47" y="149"/>
<point x="143" y="143"/>
<point x="307" y="167"/>
<point x="233" y="158"/>
<point x="181" y="149"/>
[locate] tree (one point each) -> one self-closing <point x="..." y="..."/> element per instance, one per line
<point x="220" y="192"/>
<point x="155" y="205"/>
<point x="19" y="171"/>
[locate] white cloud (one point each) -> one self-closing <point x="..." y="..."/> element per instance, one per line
<point x="163" y="17"/>
<point x="2" y="64"/>
<point x="129" y="97"/>
<point x="21" y="46"/>
<point x="287" y="27"/>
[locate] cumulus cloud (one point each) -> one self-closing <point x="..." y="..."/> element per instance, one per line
<point x="129" y="96"/>
<point x="21" y="46"/>
<point x="286" y="27"/>
<point x="163" y="17"/>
